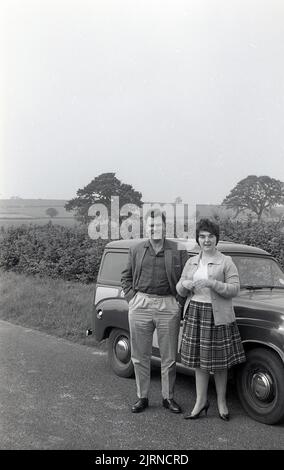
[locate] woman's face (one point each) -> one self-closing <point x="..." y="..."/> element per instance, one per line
<point x="207" y="241"/>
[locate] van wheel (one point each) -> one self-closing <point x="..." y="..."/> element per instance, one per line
<point x="260" y="385"/>
<point x="119" y="353"/>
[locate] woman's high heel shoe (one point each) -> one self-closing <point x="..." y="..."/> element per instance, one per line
<point x="196" y="415"/>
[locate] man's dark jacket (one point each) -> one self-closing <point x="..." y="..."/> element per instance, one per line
<point x="174" y="262"/>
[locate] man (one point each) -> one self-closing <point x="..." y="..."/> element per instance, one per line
<point x="149" y="283"/>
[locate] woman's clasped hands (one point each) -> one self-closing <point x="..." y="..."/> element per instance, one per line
<point x="198" y="284"/>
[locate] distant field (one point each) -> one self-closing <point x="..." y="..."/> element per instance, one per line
<point x="33" y="211"/>
<point x="32" y="207"/>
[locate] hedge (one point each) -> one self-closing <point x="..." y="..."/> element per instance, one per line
<point x="51" y="250"/>
<point x="69" y="253"/>
<point x="266" y="235"/>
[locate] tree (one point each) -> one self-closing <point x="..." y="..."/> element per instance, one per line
<point x="101" y="190"/>
<point x="52" y="212"/>
<point x="255" y="193"/>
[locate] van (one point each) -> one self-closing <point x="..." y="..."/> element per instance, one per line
<point x="259" y="310"/>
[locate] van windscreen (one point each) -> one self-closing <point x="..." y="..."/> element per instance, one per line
<point x="113" y="264"/>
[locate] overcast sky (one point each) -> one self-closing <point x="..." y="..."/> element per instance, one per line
<point x="177" y="97"/>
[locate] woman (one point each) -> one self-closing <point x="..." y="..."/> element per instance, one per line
<point x="211" y="341"/>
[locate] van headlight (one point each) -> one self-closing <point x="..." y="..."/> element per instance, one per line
<point x="99" y="314"/>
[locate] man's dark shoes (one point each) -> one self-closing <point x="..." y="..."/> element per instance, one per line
<point x="140" y="405"/>
<point x="171" y="405"/>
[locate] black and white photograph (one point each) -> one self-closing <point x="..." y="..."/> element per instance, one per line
<point x="142" y="230"/>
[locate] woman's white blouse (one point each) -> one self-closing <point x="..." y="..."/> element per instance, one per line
<point x="201" y="295"/>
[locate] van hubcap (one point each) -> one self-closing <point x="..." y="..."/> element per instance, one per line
<point x="122" y="350"/>
<point x="262" y="386"/>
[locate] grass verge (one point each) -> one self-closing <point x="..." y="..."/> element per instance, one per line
<point x="57" y="307"/>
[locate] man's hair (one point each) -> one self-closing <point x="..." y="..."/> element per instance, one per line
<point x="155" y="213"/>
<point x="207" y="225"/>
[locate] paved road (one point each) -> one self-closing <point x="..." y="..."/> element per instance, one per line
<point x="55" y="394"/>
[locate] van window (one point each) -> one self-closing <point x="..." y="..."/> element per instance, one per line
<point x="113" y="265"/>
<point x="258" y="271"/>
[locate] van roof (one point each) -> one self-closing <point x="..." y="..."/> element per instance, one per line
<point x="190" y="244"/>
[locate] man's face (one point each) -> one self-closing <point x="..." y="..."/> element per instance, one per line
<point x="155" y="228"/>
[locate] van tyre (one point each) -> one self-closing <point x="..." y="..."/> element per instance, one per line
<point x="119" y="353"/>
<point x="260" y="385"/>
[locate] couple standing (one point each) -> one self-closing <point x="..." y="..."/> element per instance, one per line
<point x="156" y="277"/>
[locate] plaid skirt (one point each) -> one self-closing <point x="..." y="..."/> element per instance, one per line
<point x="207" y="346"/>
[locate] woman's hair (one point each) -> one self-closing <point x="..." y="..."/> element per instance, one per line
<point x="207" y="225"/>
